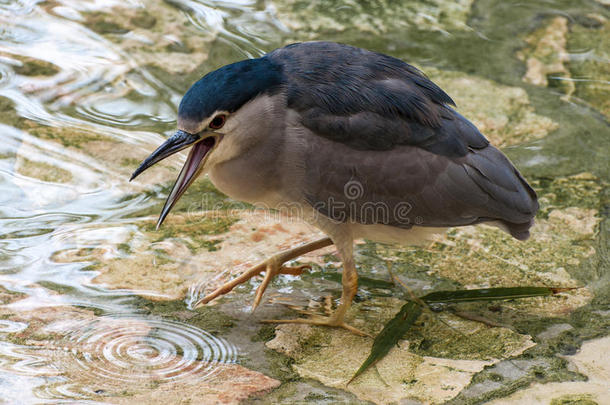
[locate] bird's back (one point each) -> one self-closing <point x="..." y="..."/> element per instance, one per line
<point x="381" y="125"/>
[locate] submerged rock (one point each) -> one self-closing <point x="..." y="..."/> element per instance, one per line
<point x="332" y="356"/>
<point x="589" y="362"/>
<point x="589" y="44"/>
<point x="571" y="55"/>
<point x="312" y="20"/>
<point x="158" y="34"/>
<point x="42" y="171"/>
<point x="200" y="251"/>
<point x="231" y="384"/>
<point x="122" y="358"/>
<point x="545" y="55"/>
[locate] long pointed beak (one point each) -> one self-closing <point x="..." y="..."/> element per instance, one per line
<point x="174" y="143"/>
<point x="190" y="170"/>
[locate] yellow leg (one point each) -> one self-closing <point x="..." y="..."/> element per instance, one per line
<point x="272" y="267"/>
<point x="337" y="319"/>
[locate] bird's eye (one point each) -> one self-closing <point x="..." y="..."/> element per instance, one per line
<point x="218" y="121"/>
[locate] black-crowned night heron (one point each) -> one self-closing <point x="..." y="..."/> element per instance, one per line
<point x="360" y="144"/>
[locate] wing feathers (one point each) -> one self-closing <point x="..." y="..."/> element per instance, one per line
<point x="371" y="101"/>
<point x="376" y="120"/>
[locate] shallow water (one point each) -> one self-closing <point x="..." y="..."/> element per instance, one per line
<point x="89" y="88"/>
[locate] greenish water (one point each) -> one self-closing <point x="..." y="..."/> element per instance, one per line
<point x="92" y="293"/>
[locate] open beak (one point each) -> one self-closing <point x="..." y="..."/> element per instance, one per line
<point x="190" y="170"/>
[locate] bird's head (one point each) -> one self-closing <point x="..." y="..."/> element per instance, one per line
<point x="213" y="119"/>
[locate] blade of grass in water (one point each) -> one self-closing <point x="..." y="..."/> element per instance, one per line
<point x="395" y="329"/>
<point x="391" y="334"/>
<point x="489" y="294"/>
<point x="362" y="281"/>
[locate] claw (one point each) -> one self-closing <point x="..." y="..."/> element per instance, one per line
<point x="271" y="271"/>
<point x="227" y="287"/>
<point x="269" y="274"/>
<point x="268" y="267"/>
<point x="272" y="267"/>
<point x="294" y="270"/>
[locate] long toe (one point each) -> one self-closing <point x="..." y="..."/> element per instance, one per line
<point x="272" y="267"/>
<point x="321" y="321"/>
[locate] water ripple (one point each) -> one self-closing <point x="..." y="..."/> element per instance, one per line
<point x="135" y="349"/>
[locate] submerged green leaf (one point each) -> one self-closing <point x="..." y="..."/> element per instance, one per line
<point x="362" y="281"/>
<point x="391" y="334"/>
<point x="489" y="294"/>
<point x="393" y="331"/>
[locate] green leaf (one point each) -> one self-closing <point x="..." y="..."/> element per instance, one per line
<point x="489" y="294"/>
<point x="408" y="314"/>
<point x="362" y="281"/>
<point x="391" y="334"/>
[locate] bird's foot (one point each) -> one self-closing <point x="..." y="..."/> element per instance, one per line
<point x="271" y="267"/>
<point x="331" y="321"/>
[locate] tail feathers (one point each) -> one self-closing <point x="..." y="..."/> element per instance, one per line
<point x="519" y="231"/>
<point x="512" y="201"/>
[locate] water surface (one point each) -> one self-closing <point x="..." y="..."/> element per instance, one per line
<point x="89" y="88"/>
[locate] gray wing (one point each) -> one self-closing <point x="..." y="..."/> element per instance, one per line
<point x="371" y="101"/>
<point x="387" y="131"/>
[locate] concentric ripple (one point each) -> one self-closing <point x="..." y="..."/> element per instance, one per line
<point x="129" y="348"/>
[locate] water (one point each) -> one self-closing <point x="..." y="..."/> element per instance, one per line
<point x="86" y="93"/>
<point x="131" y="348"/>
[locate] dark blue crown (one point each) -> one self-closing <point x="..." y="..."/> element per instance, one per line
<point x="230" y="87"/>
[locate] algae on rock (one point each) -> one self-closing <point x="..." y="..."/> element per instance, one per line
<point x="502" y="113"/>
<point x="589" y="62"/>
<point x="588" y="361"/>
<point x="573" y="56"/>
<point x="312" y="20"/>
<point x="159" y="34"/>
<point x="402" y="374"/>
<point x="28" y="66"/>
<point x="546" y="55"/>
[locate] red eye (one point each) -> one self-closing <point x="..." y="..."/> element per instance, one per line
<point x="218" y="121"/>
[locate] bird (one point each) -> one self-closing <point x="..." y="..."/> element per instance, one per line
<point x="359" y="144"/>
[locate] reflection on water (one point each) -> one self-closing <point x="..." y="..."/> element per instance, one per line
<point x="86" y="90"/>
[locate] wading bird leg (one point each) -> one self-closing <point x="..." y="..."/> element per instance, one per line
<point x="272" y="267"/>
<point x="337" y="319"/>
